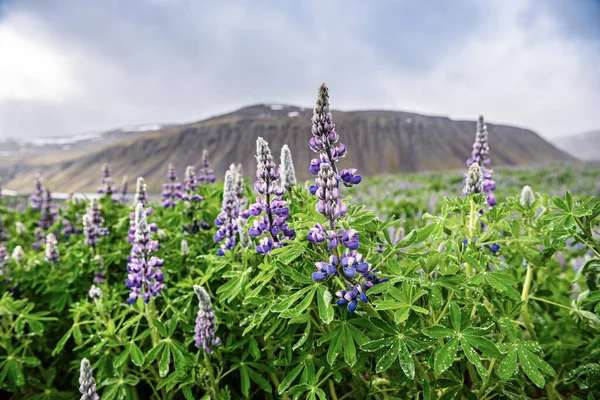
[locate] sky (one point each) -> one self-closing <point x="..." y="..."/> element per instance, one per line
<point x="70" y="66"/>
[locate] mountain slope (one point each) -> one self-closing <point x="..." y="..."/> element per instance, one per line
<point x="377" y="141"/>
<point x="585" y="146"/>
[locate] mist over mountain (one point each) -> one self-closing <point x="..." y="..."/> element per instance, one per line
<point x="585" y="146"/>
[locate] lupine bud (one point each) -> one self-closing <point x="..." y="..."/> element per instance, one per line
<point x="227" y="218"/>
<point x="205" y="322"/>
<point x="124" y="187"/>
<point x="90" y="231"/>
<point x="145" y="276"/>
<point x="527" y="197"/>
<point x="48" y="211"/>
<point x="99" y="276"/>
<point x="288" y="177"/>
<point x="171" y="190"/>
<point x="185" y="250"/>
<point x="17" y="254"/>
<point x="107" y="182"/>
<point x="51" y="248"/>
<point x="95" y="292"/>
<point x="474" y="183"/>
<point x="20" y="228"/>
<point x="87" y="383"/>
<point x="480" y="155"/>
<point x="140" y="192"/>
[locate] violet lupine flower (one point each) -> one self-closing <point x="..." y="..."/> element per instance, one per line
<point x="205" y="322"/>
<point x="87" y="383"/>
<point x="107" y="182"/>
<point x="330" y="201"/>
<point x="480" y="155"/>
<point x="96" y="217"/>
<point x="90" y="231"/>
<point x="3" y="232"/>
<point x="48" y="211"/>
<point x="171" y="190"/>
<point x="190" y="185"/>
<point x="141" y="197"/>
<point x="4" y="257"/>
<point x="36" y="197"/>
<point x="51" y="248"/>
<point x="40" y="239"/>
<point x="124" y="187"/>
<point x="145" y="276"/>
<point x="206" y="174"/>
<point x="288" y="174"/>
<point x="227" y="218"/>
<point x="272" y="210"/>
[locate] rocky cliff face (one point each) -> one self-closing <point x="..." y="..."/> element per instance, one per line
<point x="379" y="142"/>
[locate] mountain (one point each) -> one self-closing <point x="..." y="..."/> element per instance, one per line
<point x="378" y="142"/>
<point x="585" y="146"/>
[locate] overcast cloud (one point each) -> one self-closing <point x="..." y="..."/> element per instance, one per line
<point x="71" y="66"/>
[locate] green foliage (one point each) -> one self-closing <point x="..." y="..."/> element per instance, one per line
<point x="454" y="320"/>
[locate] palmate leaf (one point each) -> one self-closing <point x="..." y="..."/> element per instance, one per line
<point x="444" y="357"/>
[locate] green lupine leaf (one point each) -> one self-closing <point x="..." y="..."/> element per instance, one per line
<point x="137" y="357"/>
<point x="260" y="381"/>
<point x="324" y="298"/>
<point x="474" y="358"/>
<point x="163" y="364"/>
<point x="486" y="346"/>
<point x="378" y="344"/>
<point x="388" y="357"/>
<point x="438" y="331"/>
<point x="508" y="367"/>
<point x="121" y="358"/>
<point x="245" y="378"/>
<point x="445" y="356"/>
<point x="526" y="360"/>
<point x="349" y="347"/>
<point x="289" y="378"/>
<point x="406" y="362"/>
<point x="334" y="347"/>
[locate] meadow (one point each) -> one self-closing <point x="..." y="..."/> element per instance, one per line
<point x="474" y="284"/>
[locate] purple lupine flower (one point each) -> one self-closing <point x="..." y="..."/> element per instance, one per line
<point x="227" y="218"/>
<point x="145" y="276"/>
<point x="204" y="331"/>
<point x="288" y="174"/>
<point x="480" y="155"/>
<point x="4" y="257"/>
<point x="107" y="181"/>
<point x="330" y="202"/>
<point x="207" y="175"/>
<point x="99" y="276"/>
<point x="190" y="185"/>
<point x="3" y="232"/>
<point x="171" y="190"/>
<point x="124" y="187"/>
<point x="48" y="211"/>
<point x="51" y="248"/>
<point x="90" y="231"/>
<point x="271" y="210"/>
<point x="40" y="239"/>
<point x="96" y="217"/>
<point x="36" y="197"/>
<point x="87" y="383"/>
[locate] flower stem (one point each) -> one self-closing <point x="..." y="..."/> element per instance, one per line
<point x="525" y="298"/>
<point x="211" y="376"/>
<point x="149" y="317"/>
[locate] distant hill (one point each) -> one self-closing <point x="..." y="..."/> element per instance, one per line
<point x="378" y="142"/>
<point x="585" y="146"/>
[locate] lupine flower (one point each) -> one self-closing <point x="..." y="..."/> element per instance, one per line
<point x="90" y="231"/>
<point x="87" y="383"/>
<point x="206" y="174"/>
<point x="185" y="250"/>
<point x="527" y="196"/>
<point x="145" y="276"/>
<point x="99" y="276"/>
<point x="227" y="218"/>
<point x="272" y="210"/>
<point x="171" y="190"/>
<point x="480" y="155"/>
<point x="474" y="182"/>
<point x="40" y="239"/>
<point x="51" y="248"/>
<point x="205" y="322"/>
<point x="124" y="187"/>
<point x="36" y="197"/>
<point x="48" y="211"/>
<point x="330" y="201"/>
<point x="3" y="232"/>
<point x="288" y="174"/>
<point x="107" y="182"/>
<point x="190" y="185"/>
<point x="95" y="292"/>
<point x="141" y="197"/>
<point x="96" y="218"/>
<point x="17" y="254"/>
<point x="4" y="257"/>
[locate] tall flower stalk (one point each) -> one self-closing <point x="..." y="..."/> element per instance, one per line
<point x="87" y="383"/>
<point x="206" y="174"/>
<point x="36" y="197"/>
<point x="206" y="322"/>
<point x="171" y="190"/>
<point x="140" y="197"/>
<point x="124" y="187"/>
<point x="51" y="248"/>
<point x="480" y="155"/>
<point x="227" y="218"/>
<point x="288" y="173"/>
<point x="145" y="277"/>
<point x="271" y="209"/>
<point x="48" y="211"/>
<point x="107" y="182"/>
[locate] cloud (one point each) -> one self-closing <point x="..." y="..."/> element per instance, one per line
<point x="68" y="67"/>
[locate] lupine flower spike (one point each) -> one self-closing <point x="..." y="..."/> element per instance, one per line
<point x="288" y="174"/>
<point x="124" y="187"/>
<point x="141" y="197"/>
<point x="474" y="183"/>
<point x="190" y="185"/>
<point x="227" y="218"/>
<point x="205" y="322"/>
<point x="107" y="182"/>
<point x="51" y="248"/>
<point x="87" y="383"/>
<point x="145" y="276"/>
<point x="35" y="199"/>
<point x="206" y="174"/>
<point x="527" y="196"/>
<point x="171" y="190"/>
<point x="271" y="209"/>
<point x="95" y="292"/>
<point x="48" y="211"/>
<point x="480" y="155"/>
